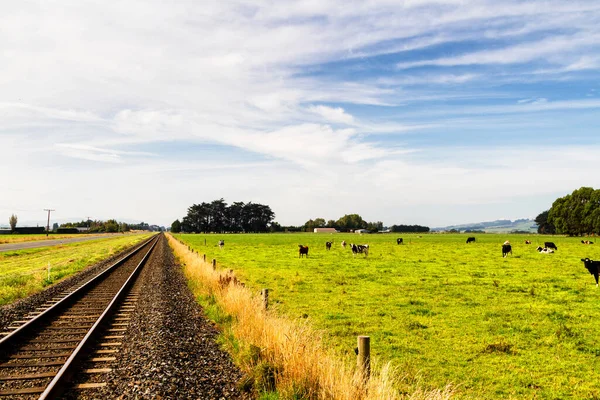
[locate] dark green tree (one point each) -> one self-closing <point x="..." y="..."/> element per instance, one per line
<point x="544" y="227"/>
<point x="351" y="222"/>
<point x="576" y="213"/>
<point x="176" y="226"/>
<point x="218" y="217"/>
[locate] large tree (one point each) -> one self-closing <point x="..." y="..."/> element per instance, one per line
<point x="13" y="222"/>
<point x="351" y="222"/>
<point x="543" y="225"/>
<point x="576" y="213"/>
<point x="176" y="226"/>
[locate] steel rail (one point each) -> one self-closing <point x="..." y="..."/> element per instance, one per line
<point x="57" y="386"/>
<point x="65" y="302"/>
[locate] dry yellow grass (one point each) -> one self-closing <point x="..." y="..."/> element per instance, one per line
<point x="299" y="362"/>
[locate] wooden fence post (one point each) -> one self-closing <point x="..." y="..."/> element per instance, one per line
<point x="265" y="298"/>
<point x="214" y="264"/>
<point x="363" y="359"/>
<point x="204" y="256"/>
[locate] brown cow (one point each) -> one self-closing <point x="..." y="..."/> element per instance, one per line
<point x="302" y="250"/>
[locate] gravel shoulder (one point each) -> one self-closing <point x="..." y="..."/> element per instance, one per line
<point x="169" y="350"/>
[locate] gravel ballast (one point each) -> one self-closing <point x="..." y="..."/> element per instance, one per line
<point x="169" y="349"/>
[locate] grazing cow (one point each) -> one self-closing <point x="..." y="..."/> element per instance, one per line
<point x="506" y="248"/>
<point x="399" y="241"/>
<point x="302" y="251"/>
<point x="587" y="242"/>
<point x="545" y="250"/>
<point x="221" y="243"/>
<point x="343" y="243"/>
<point x="359" y="248"/>
<point x="328" y="245"/>
<point x="550" y="245"/>
<point x="528" y="242"/>
<point x="593" y="267"/>
<point x="470" y="239"/>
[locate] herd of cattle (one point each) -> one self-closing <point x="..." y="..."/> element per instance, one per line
<point x="356" y="248"/>
<point x="549" y="247"/>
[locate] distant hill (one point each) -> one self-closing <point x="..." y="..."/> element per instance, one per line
<point x="497" y="226"/>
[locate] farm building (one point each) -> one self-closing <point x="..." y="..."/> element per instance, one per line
<point x="361" y="231"/>
<point x="325" y="230"/>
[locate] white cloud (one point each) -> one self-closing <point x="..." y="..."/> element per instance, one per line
<point x="332" y="114"/>
<point x="92" y="81"/>
<point x="92" y="153"/>
<point x="553" y="49"/>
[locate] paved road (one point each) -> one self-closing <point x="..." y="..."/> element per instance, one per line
<point x="47" y="243"/>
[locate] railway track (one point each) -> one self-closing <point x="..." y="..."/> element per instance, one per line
<point x="42" y="354"/>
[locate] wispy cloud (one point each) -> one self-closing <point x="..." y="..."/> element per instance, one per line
<point x="551" y="49"/>
<point x="92" y="153"/>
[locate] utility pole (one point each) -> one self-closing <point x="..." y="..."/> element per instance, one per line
<point x="48" y="225"/>
<point x="89" y="222"/>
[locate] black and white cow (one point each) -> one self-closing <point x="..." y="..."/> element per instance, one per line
<point x="550" y="245"/>
<point x="359" y="248"/>
<point x="506" y="248"/>
<point x="593" y="267"/>
<point x="545" y="250"/>
<point x="399" y="241"/>
<point x="328" y="245"/>
<point x="470" y="239"/>
<point x="343" y="243"/>
<point x="221" y="243"/>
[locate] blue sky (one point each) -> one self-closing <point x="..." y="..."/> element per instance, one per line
<point x="420" y="112"/>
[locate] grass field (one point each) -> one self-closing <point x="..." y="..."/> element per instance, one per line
<point x="441" y="310"/>
<point x="25" y="272"/>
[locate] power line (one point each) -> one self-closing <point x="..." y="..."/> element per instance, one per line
<point x="48" y="225"/>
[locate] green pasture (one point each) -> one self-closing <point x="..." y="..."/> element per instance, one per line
<point x="443" y="311"/>
<point x="25" y="272"/>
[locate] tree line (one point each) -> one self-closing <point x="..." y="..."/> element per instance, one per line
<point x="575" y="214"/>
<point x="350" y="222"/>
<point x="108" y="226"/>
<point x="218" y="216"/>
<point x="346" y="223"/>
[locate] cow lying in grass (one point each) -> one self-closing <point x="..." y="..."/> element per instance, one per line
<point x="593" y="267"/>
<point x="587" y="242"/>
<point x="545" y="250"/>
<point x="302" y="251"/>
<point x="528" y="242"/>
<point x="506" y="248"/>
<point x="359" y="248"/>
